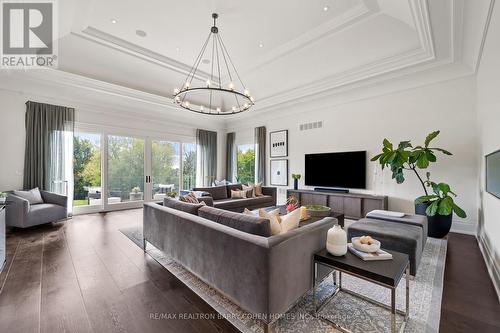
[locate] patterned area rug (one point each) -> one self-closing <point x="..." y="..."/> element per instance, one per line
<point x="348" y="311"/>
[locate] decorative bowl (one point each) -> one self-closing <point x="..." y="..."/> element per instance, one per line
<point x="356" y="243"/>
<point x="318" y="211"/>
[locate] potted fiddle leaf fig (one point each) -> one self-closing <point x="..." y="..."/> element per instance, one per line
<point x="439" y="206"/>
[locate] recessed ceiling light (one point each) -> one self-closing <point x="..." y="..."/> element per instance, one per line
<point x="325" y="8"/>
<point x="261" y="45"/>
<point x="140" y="33"/>
<point x="113" y="21"/>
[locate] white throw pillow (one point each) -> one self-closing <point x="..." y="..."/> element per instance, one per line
<point x="33" y="196"/>
<point x="274" y="218"/>
<point x="290" y="221"/>
<point x="257" y="189"/>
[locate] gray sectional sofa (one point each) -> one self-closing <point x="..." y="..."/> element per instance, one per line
<point x="235" y="254"/>
<point x="221" y="197"/>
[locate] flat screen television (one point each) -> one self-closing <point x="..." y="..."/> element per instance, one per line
<point x="337" y="170"/>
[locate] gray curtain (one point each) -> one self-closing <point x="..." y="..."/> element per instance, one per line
<point x="230" y="156"/>
<point x="48" y="149"/>
<point x="206" y="142"/>
<point x="260" y="154"/>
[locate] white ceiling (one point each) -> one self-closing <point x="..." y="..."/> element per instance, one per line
<point x="306" y="50"/>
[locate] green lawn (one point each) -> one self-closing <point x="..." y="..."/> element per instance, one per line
<point x="83" y="202"/>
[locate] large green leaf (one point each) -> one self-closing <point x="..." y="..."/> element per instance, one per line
<point x="432" y="209"/>
<point x="444" y="188"/>
<point x="459" y="211"/>
<point x="442" y="150"/>
<point x="445" y="206"/>
<point x="430" y="137"/>
<point x="387" y="144"/>
<point x="422" y="161"/>
<point x="425" y="198"/>
<point x="404" y="144"/>
<point x="376" y="157"/>
<point x="430" y="155"/>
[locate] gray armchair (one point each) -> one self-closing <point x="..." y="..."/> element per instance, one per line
<point x="19" y="213"/>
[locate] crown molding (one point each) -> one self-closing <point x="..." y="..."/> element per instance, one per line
<point x="486" y="26"/>
<point x="102" y="38"/>
<point x="109" y="98"/>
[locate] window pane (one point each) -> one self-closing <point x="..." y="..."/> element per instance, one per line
<point x="245" y="163"/>
<point x="189" y="166"/>
<point x="165" y="168"/>
<point x="87" y="169"/>
<point x="125" y="169"/>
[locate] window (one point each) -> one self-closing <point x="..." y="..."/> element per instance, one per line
<point x="188" y="166"/>
<point x="125" y="169"/>
<point x="87" y="169"/>
<point x="165" y="168"/>
<point x="245" y="163"/>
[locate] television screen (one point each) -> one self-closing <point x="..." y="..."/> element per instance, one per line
<point x="343" y="170"/>
<point x="493" y="173"/>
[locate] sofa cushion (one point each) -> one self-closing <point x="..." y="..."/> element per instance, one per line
<point x="189" y="198"/>
<point x="246" y="223"/>
<point x="233" y="187"/>
<point x="217" y="192"/>
<point x="191" y="208"/>
<point x="45" y="213"/>
<point x="244" y="203"/>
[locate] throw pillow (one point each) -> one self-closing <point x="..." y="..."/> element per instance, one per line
<point x="221" y="182"/>
<point x="250" y="190"/>
<point x="238" y="194"/>
<point x="250" y="212"/>
<point x="257" y="189"/>
<point x="290" y="221"/>
<point x="274" y="218"/>
<point x="33" y="196"/>
<point x="190" y="198"/>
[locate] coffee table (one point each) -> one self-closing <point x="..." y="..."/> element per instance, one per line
<point x="338" y="216"/>
<point x="385" y="273"/>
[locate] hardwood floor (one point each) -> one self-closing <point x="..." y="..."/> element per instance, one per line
<point x="84" y="275"/>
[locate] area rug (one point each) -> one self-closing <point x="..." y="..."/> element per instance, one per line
<point x="353" y="313"/>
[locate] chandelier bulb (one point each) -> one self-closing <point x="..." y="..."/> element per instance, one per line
<point x="187" y="84"/>
<point x="233" y="108"/>
<point x="186" y="104"/>
<point x="202" y="108"/>
<point x="176" y="91"/>
<point x="218" y="109"/>
<point x="251" y="98"/>
<point x="208" y="83"/>
<point x="231" y="86"/>
<point x="246" y="92"/>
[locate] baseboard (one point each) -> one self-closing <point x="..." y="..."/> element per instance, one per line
<point x="466" y="227"/>
<point x="491" y="259"/>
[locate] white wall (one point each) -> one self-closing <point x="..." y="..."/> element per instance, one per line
<point x="405" y="115"/>
<point x="12" y="130"/>
<point x="488" y="104"/>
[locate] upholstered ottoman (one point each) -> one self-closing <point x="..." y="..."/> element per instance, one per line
<point x="403" y="236"/>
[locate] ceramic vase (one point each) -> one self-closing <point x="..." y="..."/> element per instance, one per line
<point x="336" y="241"/>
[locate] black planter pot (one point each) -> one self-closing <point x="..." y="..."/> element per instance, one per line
<point x="295" y="184"/>
<point x="438" y="225"/>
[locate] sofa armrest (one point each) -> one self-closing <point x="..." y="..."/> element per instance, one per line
<point x="271" y="191"/>
<point x="54" y="198"/>
<point x="208" y="200"/>
<point x="291" y="263"/>
<point x="16" y="210"/>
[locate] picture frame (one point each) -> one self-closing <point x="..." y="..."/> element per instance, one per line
<point x="279" y="172"/>
<point x="278" y="143"/>
<point x="492" y="172"/>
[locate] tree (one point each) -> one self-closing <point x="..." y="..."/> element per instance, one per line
<point x="82" y="154"/>
<point x="189" y="171"/>
<point x="245" y="165"/>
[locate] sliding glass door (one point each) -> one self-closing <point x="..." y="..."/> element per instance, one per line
<point x="115" y="171"/>
<point x="165" y="168"/>
<point x="125" y="174"/>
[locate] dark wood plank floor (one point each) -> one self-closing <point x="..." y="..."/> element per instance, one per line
<point x="84" y="275"/>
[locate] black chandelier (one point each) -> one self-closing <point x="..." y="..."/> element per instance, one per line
<point x="214" y="97"/>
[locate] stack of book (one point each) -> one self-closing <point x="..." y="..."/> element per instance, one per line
<point x="378" y="255"/>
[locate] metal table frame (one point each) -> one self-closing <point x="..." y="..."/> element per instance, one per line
<point x="339" y="288"/>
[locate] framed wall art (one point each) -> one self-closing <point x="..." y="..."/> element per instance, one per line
<point x="278" y="142"/>
<point x="279" y="172"/>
